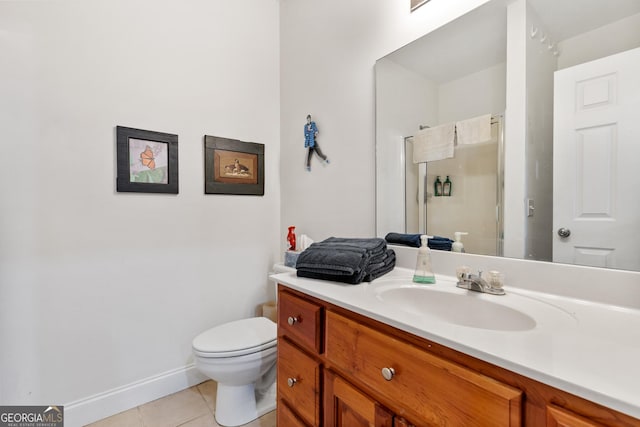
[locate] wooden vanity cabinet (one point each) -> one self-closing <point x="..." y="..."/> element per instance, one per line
<point x="337" y="368"/>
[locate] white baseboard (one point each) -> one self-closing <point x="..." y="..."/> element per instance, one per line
<point x="93" y="408"/>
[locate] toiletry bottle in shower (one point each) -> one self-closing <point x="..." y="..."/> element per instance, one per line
<point x="446" y="187"/>
<point x="437" y="187"/>
<point x="424" y="272"/>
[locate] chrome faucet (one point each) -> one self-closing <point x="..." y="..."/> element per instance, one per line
<point x="476" y="283"/>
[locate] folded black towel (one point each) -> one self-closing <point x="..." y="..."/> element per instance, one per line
<point x="374" y="246"/>
<point x="387" y="264"/>
<point x="371" y="273"/>
<point x="352" y="280"/>
<point x="348" y="260"/>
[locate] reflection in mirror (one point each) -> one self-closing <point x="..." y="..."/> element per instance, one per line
<point x="561" y="76"/>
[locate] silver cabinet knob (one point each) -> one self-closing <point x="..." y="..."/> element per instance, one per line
<point x="564" y="232"/>
<point x="292" y="320"/>
<point x="291" y="382"/>
<point x="388" y="373"/>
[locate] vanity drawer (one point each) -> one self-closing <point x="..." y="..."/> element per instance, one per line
<point x="425" y="387"/>
<point x="299" y="381"/>
<point x="300" y="320"/>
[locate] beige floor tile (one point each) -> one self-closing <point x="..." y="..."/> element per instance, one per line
<point x="204" y="421"/>
<point x="267" y="420"/>
<point x="130" y="418"/>
<point x="208" y="390"/>
<point x="175" y="409"/>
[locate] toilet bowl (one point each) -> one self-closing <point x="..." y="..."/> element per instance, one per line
<point x="241" y="357"/>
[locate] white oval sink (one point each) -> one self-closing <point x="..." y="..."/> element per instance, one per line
<point x="461" y="309"/>
<point x="471" y="309"/>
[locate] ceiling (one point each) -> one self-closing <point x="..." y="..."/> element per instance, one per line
<point x="479" y="37"/>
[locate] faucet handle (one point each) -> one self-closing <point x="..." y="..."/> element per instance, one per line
<point x="496" y="279"/>
<point x="462" y="272"/>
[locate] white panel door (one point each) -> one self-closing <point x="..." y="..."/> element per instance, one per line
<point x="596" y="163"/>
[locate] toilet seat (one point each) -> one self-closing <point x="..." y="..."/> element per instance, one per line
<point x="237" y="338"/>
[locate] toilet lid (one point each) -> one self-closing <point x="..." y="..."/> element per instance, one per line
<point x="237" y="338"/>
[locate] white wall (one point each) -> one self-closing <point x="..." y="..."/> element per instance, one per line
<point x="328" y="52"/>
<point x="98" y="289"/>
<point x="604" y="41"/>
<point x="475" y="94"/>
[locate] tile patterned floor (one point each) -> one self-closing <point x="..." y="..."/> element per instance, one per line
<point x="192" y="407"/>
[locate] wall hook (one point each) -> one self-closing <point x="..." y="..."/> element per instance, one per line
<point x="534" y="31"/>
<point x="543" y="38"/>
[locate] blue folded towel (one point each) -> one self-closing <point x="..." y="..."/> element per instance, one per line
<point x="440" y="243"/>
<point x="413" y="240"/>
<point x="403" y="239"/>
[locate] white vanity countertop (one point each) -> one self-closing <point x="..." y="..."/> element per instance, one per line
<point x="588" y="349"/>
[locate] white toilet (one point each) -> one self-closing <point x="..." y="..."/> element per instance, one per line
<point x="241" y="357"/>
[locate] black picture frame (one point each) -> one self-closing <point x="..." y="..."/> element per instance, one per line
<point x="233" y="167"/>
<point x="153" y="169"/>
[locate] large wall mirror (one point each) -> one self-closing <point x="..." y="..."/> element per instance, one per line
<point x="557" y="182"/>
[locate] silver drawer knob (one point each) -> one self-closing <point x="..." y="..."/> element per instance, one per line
<point x="292" y="320"/>
<point x="291" y="382"/>
<point x="388" y="373"/>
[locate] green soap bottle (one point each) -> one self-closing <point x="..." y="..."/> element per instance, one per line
<point x="437" y="187"/>
<point x="446" y="187"/>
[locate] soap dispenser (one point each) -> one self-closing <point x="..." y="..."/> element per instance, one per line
<point x="437" y="186"/>
<point x="424" y="272"/>
<point x="446" y="187"/>
<point x="458" y="246"/>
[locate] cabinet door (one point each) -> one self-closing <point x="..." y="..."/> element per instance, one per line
<point x="286" y="418"/>
<point x="560" y="417"/>
<point x="345" y="406"/>
<point x="299" y="382"/>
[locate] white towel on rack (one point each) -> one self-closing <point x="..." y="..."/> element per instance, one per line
<point x="434" y="143"/>
<point x="474" y="131"/>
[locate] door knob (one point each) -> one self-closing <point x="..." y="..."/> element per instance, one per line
<point x="564" y="232"/>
